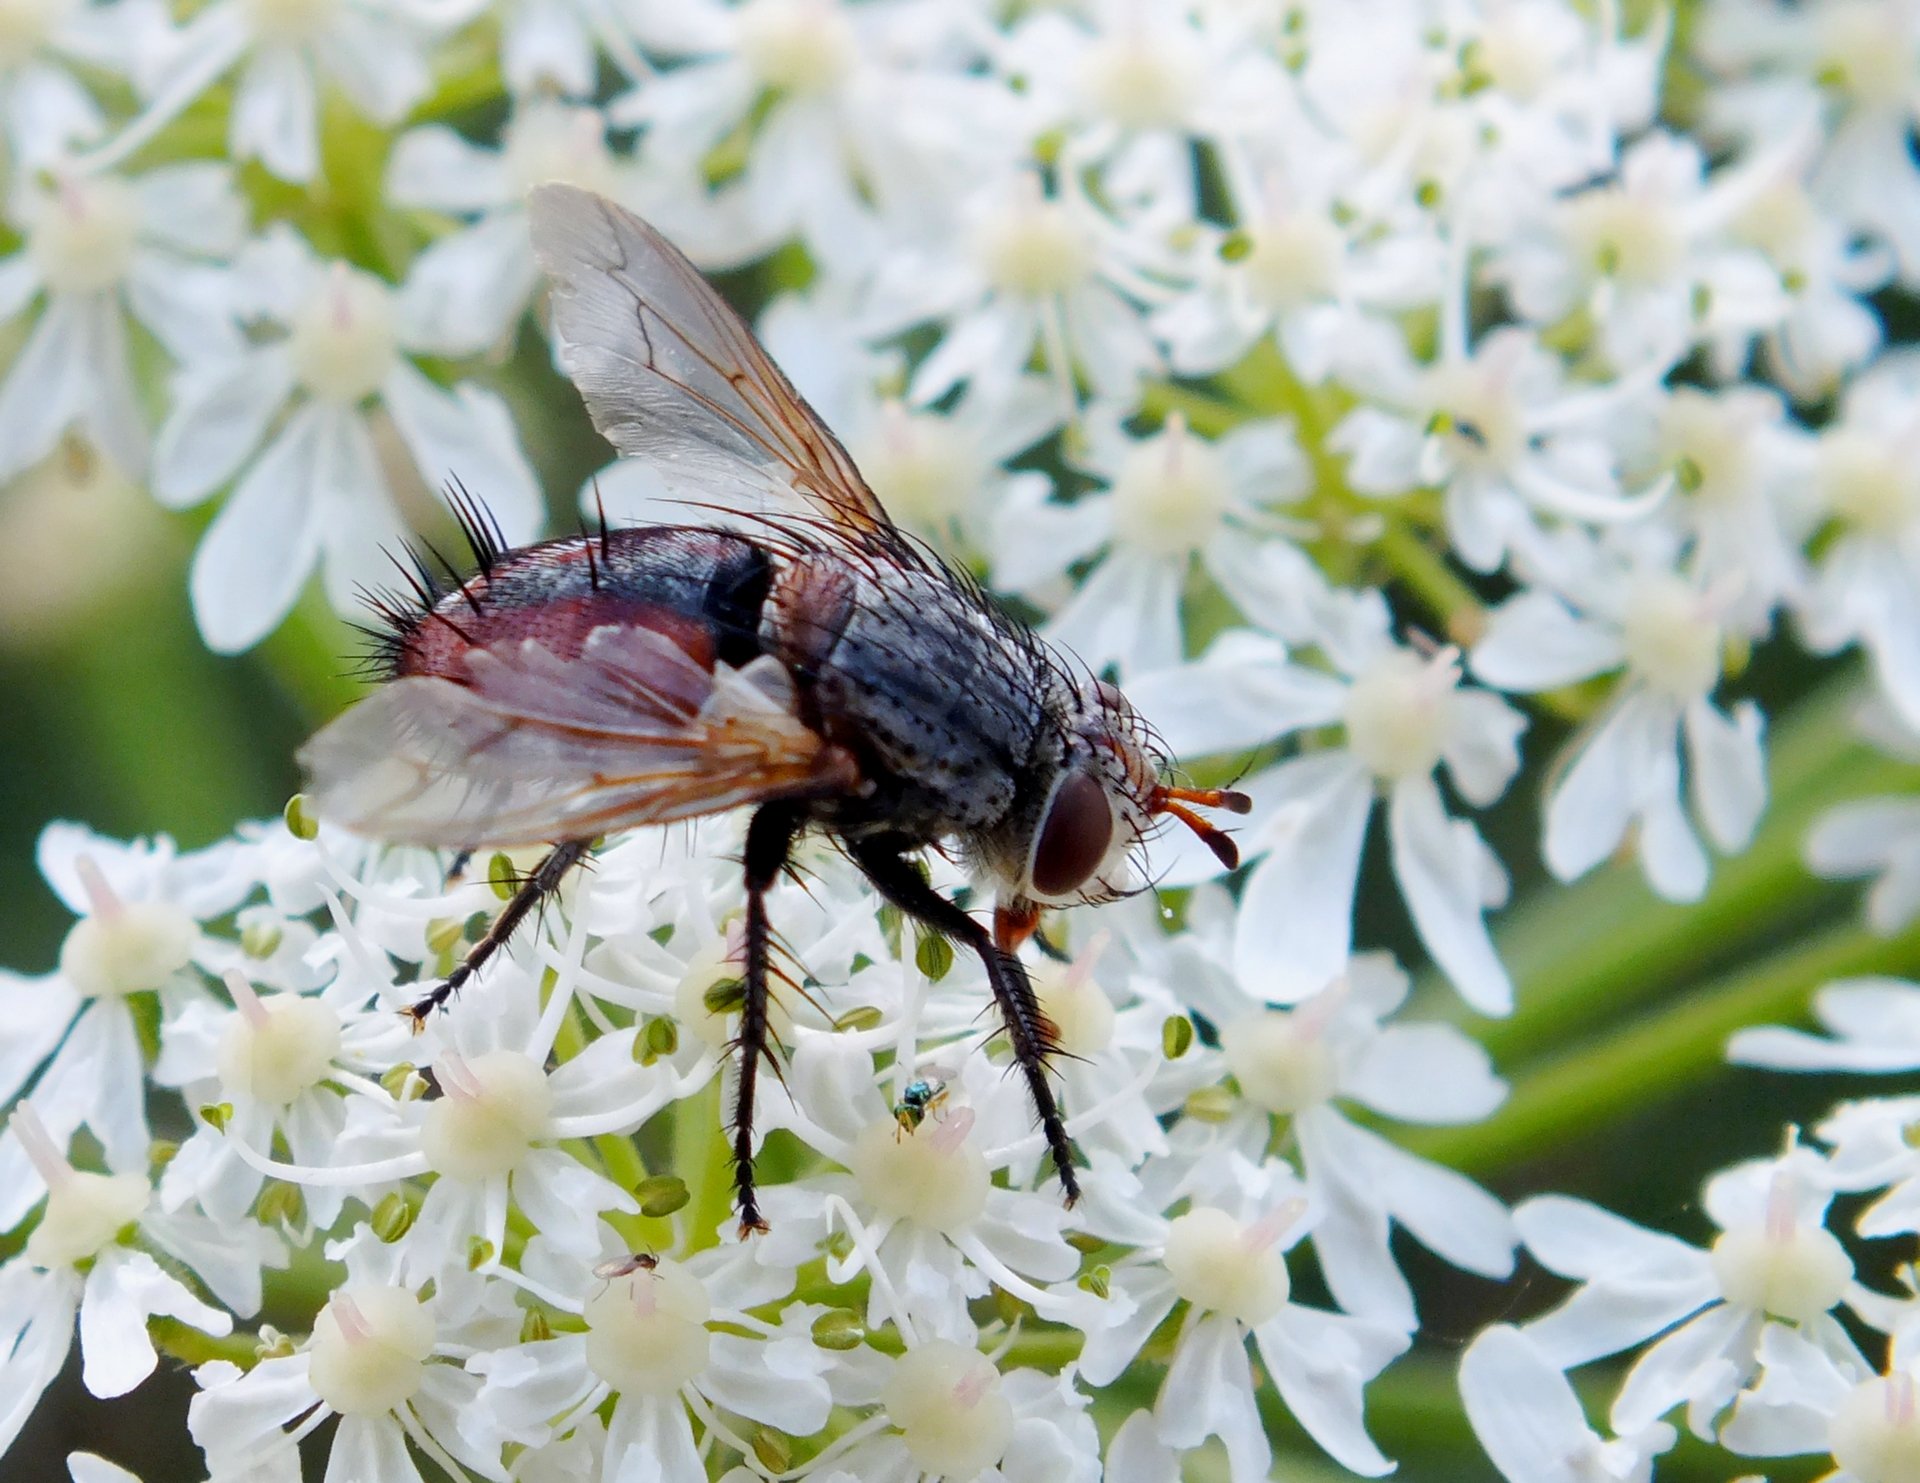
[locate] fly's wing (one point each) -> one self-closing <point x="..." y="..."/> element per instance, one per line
<point x="536" y="748"/>
<point x="673" y="377"/>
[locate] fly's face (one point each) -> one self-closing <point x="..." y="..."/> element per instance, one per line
<point x="1101" y="803"/>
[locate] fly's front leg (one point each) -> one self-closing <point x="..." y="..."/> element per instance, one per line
<point x="770" y="838"/>
<point x="1029" y="1032"/>
<point x="544" y="881"/>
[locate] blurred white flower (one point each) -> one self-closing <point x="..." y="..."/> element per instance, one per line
<point x="374" y="52"/>
<point x="101" y="248"/>
<point x="318" y="492"/>
<point x="1170" y="498"/>
<point x="1866" y="583"/>
<point x="467" y="291"/>
<point x="1668" y="631"/>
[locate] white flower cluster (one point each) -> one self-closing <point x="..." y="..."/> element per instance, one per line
<point x="1246" y="344"/>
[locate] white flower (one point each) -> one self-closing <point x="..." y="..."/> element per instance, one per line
<point x="1405" y="715"/>
<point x="78" y="1265"/>
<point x="1332" y="1047"/>
<point x="950" y="1413"/>
<point x="489" y="1135"/>
<point x="45" y="109"/>
<point x="99" y="249"/>
<point x="1853" y="62"/>
<point x="1668" y="632"/>
<point x="383" y="1358"/>
<point x="1866" y="585"/>
<point x="1171" y="498"/>
<point x="1740" y="472"/>
<point x="139" y="907"/>
<point x="1504" y="436"/>
<point x="1812" y="1399"/>
<point x="372" y="51"/>
<point x="1134" y="89"/>
<point x="650" y="1343"/>
<point x="1869" y="1144"/>
<point x="272" y="1066"/>
<point x="1232" y="1275"/>
<point x="1830" y="328"/>
<point x="1018" y="270"/>
<point x="929" y="1225"/>
<point x="834" y="114"/>
<point x="1647" y="258"/>
<point x="1302" y="268"/>
<point x="317" y="491"/>
<point x="466" y="292"/>
<point x="1532" y="1425"/>
<point x="1773" y="1261"/>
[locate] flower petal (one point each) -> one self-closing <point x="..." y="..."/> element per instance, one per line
<point x="1437" y="861"/>
<point x="1295" y="927"/>
<point x="262" y="544"/>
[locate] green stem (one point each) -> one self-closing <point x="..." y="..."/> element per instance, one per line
<point x="1637" y="1068"/>
<point x="1439" y="588"/>
<point x="702" y="1158"/>
<point x="187" y="1344"/>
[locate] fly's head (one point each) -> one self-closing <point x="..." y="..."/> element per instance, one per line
<point x="1101" y="800"/>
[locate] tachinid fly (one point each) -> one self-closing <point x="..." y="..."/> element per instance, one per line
<point x="788" y="648"/>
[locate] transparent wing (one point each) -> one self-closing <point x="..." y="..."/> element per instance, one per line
<point x="673" y="377"/>
<point x="537" y="749"/>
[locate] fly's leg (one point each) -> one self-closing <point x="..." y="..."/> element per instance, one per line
<point x="770" y="837"/>
<point x="1031" y="1034"/>
<point x="544" y="881"/>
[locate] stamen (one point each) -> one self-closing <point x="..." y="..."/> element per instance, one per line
<point x="42" y="1152"/>
<point x="456" y="1077"/>
<point x="1269" y="1228"/>
<point x="244" y="998"/>
<point x="100" y="896"/>
<point x="951" y="1131"/>
<point x="353" y="1324"/>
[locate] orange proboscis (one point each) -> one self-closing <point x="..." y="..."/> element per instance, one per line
<point x="1175" y="801"/>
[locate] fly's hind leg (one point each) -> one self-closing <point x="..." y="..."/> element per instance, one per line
<point x="1029" y="1032"/>
<point x="770" y="838"/>
<point x="534" y="889"/>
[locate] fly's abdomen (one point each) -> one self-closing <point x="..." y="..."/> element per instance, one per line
<point x="703" y="589"/>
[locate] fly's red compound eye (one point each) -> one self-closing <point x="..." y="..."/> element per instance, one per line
<point x="1075" y="834"/>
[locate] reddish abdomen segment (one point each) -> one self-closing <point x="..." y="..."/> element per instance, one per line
<point x="703" y="589"/>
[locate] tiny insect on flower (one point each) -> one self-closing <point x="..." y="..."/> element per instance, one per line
<point x="789" y="648"/>
<point x="920" y="1099"/>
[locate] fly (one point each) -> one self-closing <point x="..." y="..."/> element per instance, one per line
<point x="788" y="650"/>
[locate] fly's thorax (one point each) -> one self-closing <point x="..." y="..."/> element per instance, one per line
<point x="943" y="701"/>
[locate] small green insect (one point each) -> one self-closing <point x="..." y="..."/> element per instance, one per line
<point x="919" y="1100"/>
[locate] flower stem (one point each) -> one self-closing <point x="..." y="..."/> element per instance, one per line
<point x="187" y="1344"/>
